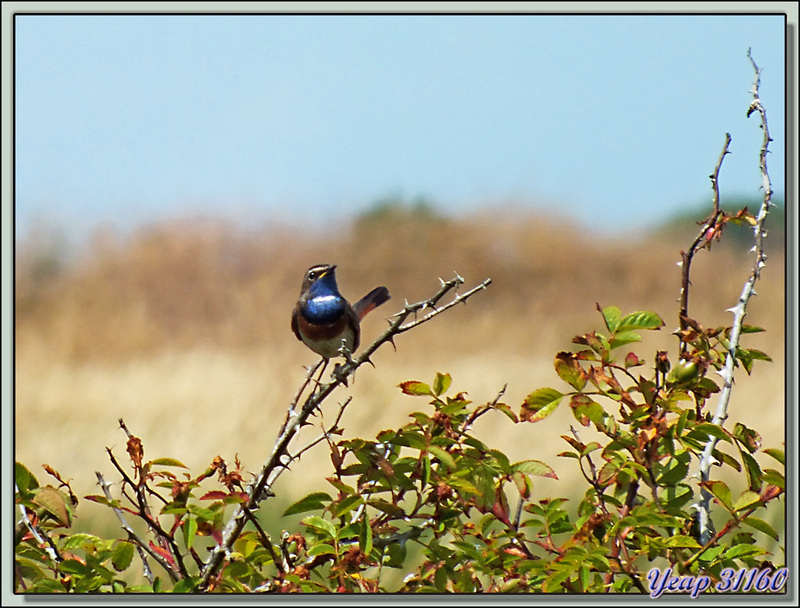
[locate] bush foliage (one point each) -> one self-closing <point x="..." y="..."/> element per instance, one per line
<point x="475" y="515"/>
<point x="450" y="511"/>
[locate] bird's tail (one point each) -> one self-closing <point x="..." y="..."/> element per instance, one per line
<point x="372" y="300"/>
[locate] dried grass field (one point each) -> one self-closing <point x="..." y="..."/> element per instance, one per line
<point x="182" y="329"/>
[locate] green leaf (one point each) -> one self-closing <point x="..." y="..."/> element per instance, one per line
<point x="25" y="480"/>
<point x="168" y="462"/>
<point x="189" y="531"/>
<point x="464" y="486"/>
<point x="397" y="555"/>
<point x="777" y="454"/>
<point x="722" y="493"/>
<point x="502" y="461"/>
<point x="727" y="459"/>
<point x="387" y="507"/>
<point x="681" y="424"/>
<point x="710" y="554"/>
<point x="415" y="388"/>
<point x="553" y="582"/>
<point x="82" y="540"/>
<point x="186" y="585"/>
<point x="753" y="470"/>
<point x="761" y="526"/>
<point x="674" y="470"/>
<point x="534" y="467"/>
<point x="503" y="407"/>
<point x="774" y="478"/>
<point x="345" y="505"/>
<point x="441" y="383"/>
<point x="322" y="526"/>
<point x="624" y="337"/>
<point x="236" y="498"/>
<point x="714" y="430"/>
<point x="640" y="320"/>
<point x="540" y="404"/>
<point x="607" y="472"/>
<point x="426" y="471"/>
<point x="570" y="371"/>
<point x="586" y="410"/>
<point x="445" y="458"/>
<point x="47" y="585"/>
<point x="751" y="329"/>
<point x="679" y="540"/>
<point x="612" y="316"/>
<point x="365" y="536"/>
<point x="313" y="502"/>
<point x="746" y="500"/>
<point x="122" y="555"/>
<point x="759" y="355"/>
<point x="741" y="551"/>
<point x="321" y="549"/>
<point x="73" y="566"/>
<point x="201" y="512"/>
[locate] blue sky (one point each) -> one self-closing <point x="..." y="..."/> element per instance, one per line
<point x="614" y="120"/>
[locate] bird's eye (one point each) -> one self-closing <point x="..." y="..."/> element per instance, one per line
<point x="312" y="275"/>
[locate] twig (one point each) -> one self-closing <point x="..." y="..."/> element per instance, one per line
<point x="258" y="490"/>
<point x="40" y="535"/>
<point x="132" y="534"/>
<point x="326" y="435"/>
<point x="266" y="541"/>
<point x="480" y="411"/>
<point x="739" y="311"/>
<point x="707" y="233"/>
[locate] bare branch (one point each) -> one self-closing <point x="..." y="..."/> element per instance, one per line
<point x="135" y="537"/>
<point x="739" y="311"/>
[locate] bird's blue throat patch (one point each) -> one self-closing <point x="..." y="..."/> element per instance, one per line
<point x="324" y="309"/>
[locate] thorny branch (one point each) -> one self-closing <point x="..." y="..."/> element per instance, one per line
<point x="704" y="238"/>
<point x="259" y="489"/>
<point x="140" y="543"/>
<point x="40" y="535"/>
<point x="740" y="310"/>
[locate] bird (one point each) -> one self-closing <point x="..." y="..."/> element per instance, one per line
<point x="324" y="320"/>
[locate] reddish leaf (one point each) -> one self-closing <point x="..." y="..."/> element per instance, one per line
<point x="163" y="553"/>
<point x="631" y="360"/>
<point x="214" y="495"/>
<point x="136" y="451"/>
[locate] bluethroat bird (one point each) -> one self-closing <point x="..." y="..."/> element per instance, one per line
<point x="323" y="319"/>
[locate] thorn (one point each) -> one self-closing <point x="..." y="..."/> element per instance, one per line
<point x="442" y="281"/>
<point x="337" y="373"/>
